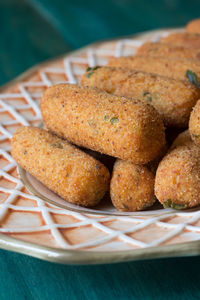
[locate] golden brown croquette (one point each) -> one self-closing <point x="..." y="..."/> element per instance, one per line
<point x="194" y="124"/>
<point x="177" y="182"/>
<point x="185" y="39"/>
<point x="193" y="26"/>
<point x="173" y="99"/>
<point x="105" y="123"/>
<point x="174" y="68"/>
<point x="132" y="186"/>
<point x="66" y="170"/>
<point x="168" y="50"/>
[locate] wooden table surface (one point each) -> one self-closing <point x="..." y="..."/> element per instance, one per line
<point x="33" y="31"/>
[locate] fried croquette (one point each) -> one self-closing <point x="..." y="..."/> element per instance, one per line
<point x="132" y="186"/>
<point x="193" y="26"/>
<point x="66" y="170"/>
<point x="177" y="69"/>
<point x="185" y="39"/>
<point x="168" y="50"/>
<point x="194" y="124"/>
<point x="173" y="99"/>
<point x="89" y="117"/>
<point x="177" y="182"/>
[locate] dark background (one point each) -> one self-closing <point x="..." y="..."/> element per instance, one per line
<point x="33" y="31"/>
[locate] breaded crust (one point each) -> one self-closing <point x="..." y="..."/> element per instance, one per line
<point x="176" y="69"/>
<point x="193" y="26"/>
<point x="132" y="186"/>
<point x="168" y="50"/>
<point x="66" y="170"/>
<point x="177" y="182"/>
<point x="185" y="39"/>
<point x="102" y="122"/>
<point x="173" y="99"/>
<point x="194" y="124"/>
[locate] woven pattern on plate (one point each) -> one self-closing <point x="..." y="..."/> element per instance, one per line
<point x="27" y="217"/>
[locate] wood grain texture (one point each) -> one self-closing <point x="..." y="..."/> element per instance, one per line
<point x="35" y="30"/>
<point x="27" y="38"/>
<point x="24" y="277"/>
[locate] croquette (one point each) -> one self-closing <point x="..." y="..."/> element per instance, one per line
<point x="193" y="26"/>
<point x="173" y="99"/>
<point x="185" y="39"/>
<point x="177" y="182"/>
<point x="132" y="186"/>
<point x="89" y="117"/>
<point x="174" y="68"/>
<point x="168" y="50"/>
<point x="194" y="124"/>
<point x="66" y="170"/>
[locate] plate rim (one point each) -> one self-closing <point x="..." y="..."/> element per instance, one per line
<point x="35" y="192"/>
<point x="82" y="257"/>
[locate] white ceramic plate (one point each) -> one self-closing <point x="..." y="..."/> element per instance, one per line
<point x="31" y="224"/>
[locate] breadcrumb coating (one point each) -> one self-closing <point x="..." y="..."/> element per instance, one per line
<point x="185" y="39"/>
<point x="177" y="182"/>
<point x="193" y="26"/>
<point x="172" y="68"/>
<point x="168" y="50"/>
<point x="132" y="186"/>
<point x="66" y="170"/>
<point x="89" y="117"/>
<point x="173" y="99"/>
<point x="194" y="124"/>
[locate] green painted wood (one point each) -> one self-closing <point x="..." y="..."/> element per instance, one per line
<point x="35" y="30"/>
<point x="27" y="38"/>
<point x="82" y="22"/>
<point x="23" y="277"/>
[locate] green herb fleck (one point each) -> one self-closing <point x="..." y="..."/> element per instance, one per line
<point x="148" y="96"/>
<point x="106" y="118"/>
<point x="170" y="204"/>
<point x="167" y="203"/>
<point x="97" y="167"/>
<point x="92" y="71"/>
<point x="193" y="78"/>
<point x="195" y="135"/>
<point x="92" y="124"/>
<point x="114" y="120"/>
<point x="95" y="68"/>
<point x="57" y="145"/>
<point x="90" y="74"/>
<point x="125" y="206"/>
<point x="178" y="206"/>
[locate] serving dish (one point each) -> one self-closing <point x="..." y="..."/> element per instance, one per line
<point x="32" y="224"/>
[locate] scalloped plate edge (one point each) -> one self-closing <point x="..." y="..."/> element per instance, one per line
<point x="87" y="257"/>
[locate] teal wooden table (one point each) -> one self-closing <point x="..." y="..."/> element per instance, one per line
<point x="35" y="30"/>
